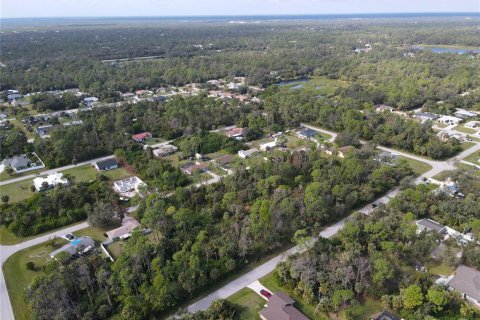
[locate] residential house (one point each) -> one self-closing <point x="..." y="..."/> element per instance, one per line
<point x="268" y="145"/>
<point x="466" y="280"/>
<point x="22" y="163"/>
<point x="214" y="82"/>
<point x="449" y="120"/>
<point x="90" y="101"/>
<point x="306" y="134"/>
<point x="342" y="152"/>
<point x="464" y="114"/>
<point x="165" y="150"/>
<point x="44" y="130"/>
<point x="233" y="86"/>
<point x="142" y="137"/>
<point x="244" y="154"/>
<point x="223" y="160"/>
<point x="472" y="124"/>
<point x="280" y="307"/>
<point x="190" y="167"/>
<point x="78" y="246"/>
<point x="386" y="157"/>
<point x="424" y="116"/>
<point x="50" y="181"/>
<point x="215" y="93"/>
<point x="236" y="133"/>
<point x="107" y="164"/>
<point x="128" y="187"/>
<point x="430" y="225"/>
<point x="127" y="95"/>
<point x="13" y="96"/>
<point x="385" y="315"/>
<point x="3" y="116"/>
<point x="256" y="100"/>
<point x="125" y="230"/>
<point x="383" y="108"/>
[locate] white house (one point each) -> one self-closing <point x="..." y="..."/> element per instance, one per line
<point x="50" y="181"/>
<point x="244" y="154"/>
<point x="464" y="114"/>
<point x="165" y="150"/>
<point x="125" y="230"/>
<point x="449" y="120"/>
<point x="268" y="145"/>
<point x="90" y="101"/>
<point x="472" y="124"/>
<point x="128" y="187"/>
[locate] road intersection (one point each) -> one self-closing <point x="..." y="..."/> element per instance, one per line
<point x="6" y="312"/>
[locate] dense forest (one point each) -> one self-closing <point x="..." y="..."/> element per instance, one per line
<point x="374" y="255"/>
<point x="201" y="235"/>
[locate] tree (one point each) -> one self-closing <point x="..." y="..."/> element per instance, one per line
<point x="104" y="214"/>
<point x="437" y="297"/>
<point x="5" y="198"/>
<point x="412" y="296"/>
<point x="30" y="265"/>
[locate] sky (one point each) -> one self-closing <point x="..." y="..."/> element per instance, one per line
<point x="114" y="8"/>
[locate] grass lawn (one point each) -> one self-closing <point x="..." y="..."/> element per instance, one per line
<point x="247" y="304"/>
<point x="8" y="238"/>
<point x="115" y="249"/>
<point x="153" y="141"/>
<point x="442" y="175"/>
<point x="467" y="145"/>
<point x="89" y="173"/>
<point x="440" y="125"/>
<point x="440" y="268"/>
<point x="462" y="128"/>
<point x="17" y="191"/>
<point x="469" y="168"/>
<point x="418" y="167"/>
<point x="473" y="158"/>
<point x="18" y="278"/>
<point x="367" y="307"/>
<point x="94" y="233"/>
<point x="4" y="176"/>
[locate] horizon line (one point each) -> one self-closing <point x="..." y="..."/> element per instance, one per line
<point x="474" y="13"/>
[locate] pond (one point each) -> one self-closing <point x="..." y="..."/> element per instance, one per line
<point x="297" y="82"/>
<point x="448" y="50"/>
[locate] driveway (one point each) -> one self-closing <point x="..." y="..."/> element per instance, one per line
<point x="257" y="287"/>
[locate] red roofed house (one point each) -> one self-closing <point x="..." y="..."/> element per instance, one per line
<point x="236" y="133"/>
<point x="141" y="137"/>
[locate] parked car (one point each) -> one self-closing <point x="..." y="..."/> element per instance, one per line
<point x="69" y="237"/>
<point x="265" y="293"/>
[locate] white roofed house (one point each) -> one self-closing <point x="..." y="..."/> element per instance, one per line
<point x="449" y="120"/>
<point x="90" y="101"/>
<point x="50" y="181"/>
<point x="128" y="187"/>
<point x="244" y="154"/>
<point x="165" y="150"/>
<point x="464" y="114"/>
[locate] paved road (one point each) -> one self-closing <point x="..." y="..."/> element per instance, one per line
<point x="264" y="269"/>
<point x="71" y="166"/>
<point x="6" y="312"/>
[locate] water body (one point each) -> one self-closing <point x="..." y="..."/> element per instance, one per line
<point x="298" y="83"/>
<point x="17" y="22"/>
<point x="448" y="50"/>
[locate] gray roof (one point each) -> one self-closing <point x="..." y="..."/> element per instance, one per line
<point x="280" y="307"/>
<point x="431" y="225"/>
<point x="307" y="133"/>
<point x="20" y="161"/>
<point x="104" y="164"/>
<point x="385" y="315"/>
<point x="426" y="115"/>
<point x="74" y="246"/>
<point x="466" y="281"/>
